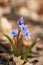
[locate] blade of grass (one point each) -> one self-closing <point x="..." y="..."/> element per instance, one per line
<point x="25" y="54"/>
<point x="12" y="45"/>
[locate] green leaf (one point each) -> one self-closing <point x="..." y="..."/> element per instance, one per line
<point x="12" y="45"/>
<point x="25" y="54"/>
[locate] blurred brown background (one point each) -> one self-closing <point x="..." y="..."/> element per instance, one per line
<point x="32" y="12"/>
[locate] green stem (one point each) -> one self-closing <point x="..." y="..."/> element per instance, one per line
<point x="19" y="45"/>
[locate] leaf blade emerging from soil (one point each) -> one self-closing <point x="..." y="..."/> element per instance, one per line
<point x="12" y="45"/>
<point x="25" y="54"/>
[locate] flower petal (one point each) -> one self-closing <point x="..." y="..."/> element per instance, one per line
<point x="14" y="32"/>
<point x="27" y="34"/>
<point x="24" y="27"/>
<point x="20" y="21"/>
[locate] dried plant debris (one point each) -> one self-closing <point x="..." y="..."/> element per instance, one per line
<point x="40" y="59"/>
<point x="6" y="59"/>
<point x="5" y="48"/>
<point x="19" y="61"/>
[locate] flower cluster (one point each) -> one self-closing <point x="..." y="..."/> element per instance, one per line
<point x="17" y="48"/>
<point x="23" y="27"/>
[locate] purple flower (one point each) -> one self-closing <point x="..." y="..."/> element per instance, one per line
<point x="24" y="27"/>
<point x="14" y="32"/>
<point x="27" y="34"/>
<point x="20" y="22"/>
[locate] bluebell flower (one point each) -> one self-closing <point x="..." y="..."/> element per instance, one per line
<point x="27" y="35"/>
<point x="14" y="32"/>
<point x="24" y="27"/>
<point x="20" y="21"/>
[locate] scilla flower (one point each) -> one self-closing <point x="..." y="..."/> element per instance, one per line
<point x="27" y="34"/>
<point x="20" y="21"/>
<point x="24" y="27"/>
<point x="14" y="32"/>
